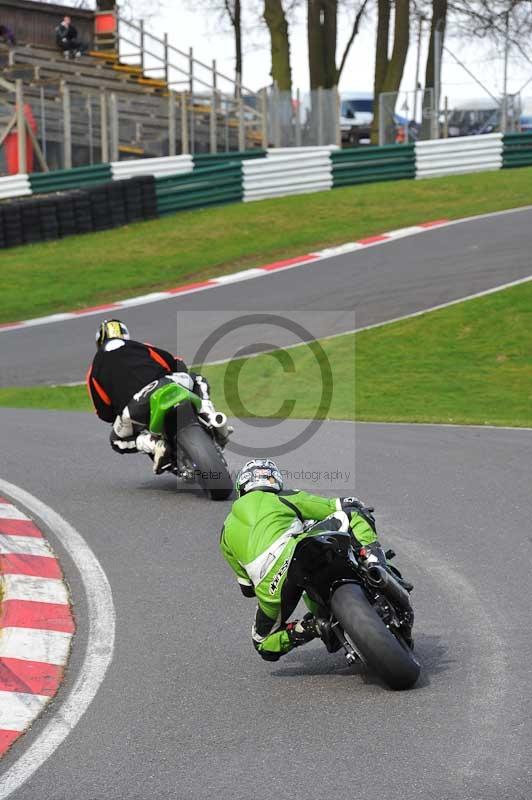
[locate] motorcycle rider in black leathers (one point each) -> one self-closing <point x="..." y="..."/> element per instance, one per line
<point x="121" y="379"/>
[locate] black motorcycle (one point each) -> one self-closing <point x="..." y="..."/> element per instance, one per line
<point x="364" y="609"/>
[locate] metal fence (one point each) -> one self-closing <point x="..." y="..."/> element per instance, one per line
<point x="407" y="117"/>
<point x="76" y="126"/>
<point x="303" y="120"/>
<point x="412" y="116"/>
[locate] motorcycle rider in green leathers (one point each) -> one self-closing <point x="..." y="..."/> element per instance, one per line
<point x="258" y="540"/>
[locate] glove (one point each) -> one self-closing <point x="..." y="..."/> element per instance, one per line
<point x="302" y="631"/>
<point x="372" y="554"/>
<point x="354" y="504"/>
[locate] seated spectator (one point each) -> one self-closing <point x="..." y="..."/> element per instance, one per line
<point x="66" y="36"/>
<point x="6" y="35"/>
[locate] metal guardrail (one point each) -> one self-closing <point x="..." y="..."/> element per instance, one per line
<point x="191" y="182"/>
<point x="206" y="186"/>
<point x="458" y="155"/>
<point x="76" y="178"/>
<point x="287" y="174"/>
<point x="517" y="150"/>
<point x="169" y="165"/>
<point x="373" y="164"/>
<point x="213" y="159"/>
<point x="15" y="186"/>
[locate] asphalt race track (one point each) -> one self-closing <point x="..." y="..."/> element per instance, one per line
<point x="187" y="710"/>
<point x="360" y="289"/>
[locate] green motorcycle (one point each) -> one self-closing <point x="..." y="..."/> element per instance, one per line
<point x="195" y="440"/>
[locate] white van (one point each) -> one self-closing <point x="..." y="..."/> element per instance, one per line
<point x="356" y="116"/>
<point x="471" y="117"/>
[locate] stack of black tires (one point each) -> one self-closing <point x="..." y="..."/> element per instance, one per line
<point x="96" y="208"/>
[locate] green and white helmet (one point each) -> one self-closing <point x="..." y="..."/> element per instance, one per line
<point x="259" y="473"/>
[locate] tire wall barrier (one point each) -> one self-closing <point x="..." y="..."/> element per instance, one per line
<point x="372" y="164"/>
<point x="459" y="155"/>
<point x="517" y="150"/>
<point x="96" y="208"/>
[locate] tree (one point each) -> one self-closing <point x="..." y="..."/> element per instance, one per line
<point x="503" y="22"/>
<point x="322" y="31"/>
<point x="276" y="20"/>
<point x="322" y="28"/>
<point x="233" y="9"/>
<point x="438" y="23"/>
<point x="226" y="14"/>
<point x="389" y="69"/>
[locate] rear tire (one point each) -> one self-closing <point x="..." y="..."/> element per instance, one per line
<point x="382" y="652"/>
<point x="211" y="470"/>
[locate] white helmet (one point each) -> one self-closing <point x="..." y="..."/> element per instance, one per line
<point x="259" y="473"/>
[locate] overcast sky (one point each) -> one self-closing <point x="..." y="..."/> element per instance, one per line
<point x="202" y="31"/>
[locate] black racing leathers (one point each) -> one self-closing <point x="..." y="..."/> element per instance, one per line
<point x="121" y="368"/>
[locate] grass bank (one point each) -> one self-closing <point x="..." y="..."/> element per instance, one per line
<point x="88" y="270"/>
<point x="469" y="364"/>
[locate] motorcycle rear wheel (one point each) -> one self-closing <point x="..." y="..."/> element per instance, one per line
<point x="209" y="465"/>
<point x="381" y="651"/>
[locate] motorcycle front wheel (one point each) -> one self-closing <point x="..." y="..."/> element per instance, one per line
<point x="380" y="650"/>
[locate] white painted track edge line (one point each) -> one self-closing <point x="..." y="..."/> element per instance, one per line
<point x="493" y="290"/>
<point x="212" y="283"/>
<point x="460" y="425"/>
<point x="484" y="293"/>
<point x="99" y="650"/>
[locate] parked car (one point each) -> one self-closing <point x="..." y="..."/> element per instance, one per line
<point x="356" y="119"/>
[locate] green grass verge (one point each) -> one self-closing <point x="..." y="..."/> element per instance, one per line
<point x="64" y="398"/>
<point x="470" y="364"/>
<point x="88" y="270"/>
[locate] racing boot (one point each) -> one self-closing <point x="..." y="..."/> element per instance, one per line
<point x="162" y="457"/>
<point x="328" y="636"/>
<point x="302" y="631"/>
<point x="157" y="448"/>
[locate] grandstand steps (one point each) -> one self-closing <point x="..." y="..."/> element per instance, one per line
<point x="141" y="102"/>
<point x="83" y="71"/>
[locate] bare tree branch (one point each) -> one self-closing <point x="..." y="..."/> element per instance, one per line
<point x="354" y="32"/>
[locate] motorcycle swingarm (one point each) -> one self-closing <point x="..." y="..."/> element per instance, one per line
<point x="351" y="654"/>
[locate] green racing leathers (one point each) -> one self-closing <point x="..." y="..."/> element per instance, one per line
<point x="258" y="540"/>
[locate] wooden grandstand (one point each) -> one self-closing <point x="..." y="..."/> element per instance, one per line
<point x="111" y="103"/>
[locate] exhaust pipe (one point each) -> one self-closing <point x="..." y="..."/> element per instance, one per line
<point x="379" y="578"/>
<point x="219" y="421"/>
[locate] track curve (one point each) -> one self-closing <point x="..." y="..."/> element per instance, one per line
<point x="188" y="711"/>
<point x="384" y="282"/>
